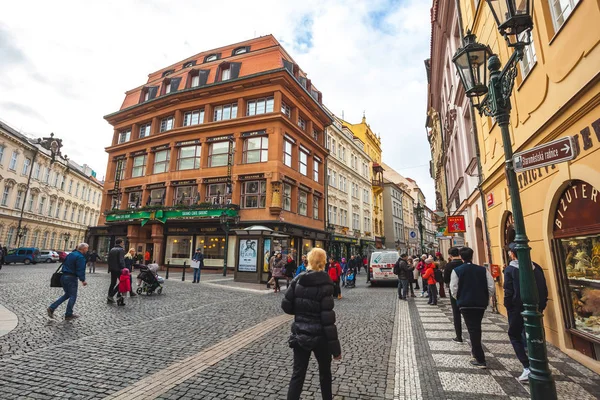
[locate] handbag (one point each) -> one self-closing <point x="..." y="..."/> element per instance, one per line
<point x="55" y="279"/>
<point x="195" y="264"/>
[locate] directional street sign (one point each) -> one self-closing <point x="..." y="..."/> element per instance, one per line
<point x="412" y="235"/>
<point x="555" y="152"/>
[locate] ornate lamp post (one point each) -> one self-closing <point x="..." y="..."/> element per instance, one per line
<point x="21" y="231"/>
<point x="226" y="221"/>
<point x="419" y="215"/>
<point x="513" y="17"/>
<point x="67" y="236"/>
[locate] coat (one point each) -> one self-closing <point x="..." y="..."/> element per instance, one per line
<point x="429" y="274"/>
<point x="125" y="281"/>
<point x="512" y="287"/>
<point x="334" y="271"/>
<point x="290" y="269"/>
<point x="310" y="300"/>
<point x="278" y="268"/>
<point x="116" y="259"/>
<point x="402" y="269"/>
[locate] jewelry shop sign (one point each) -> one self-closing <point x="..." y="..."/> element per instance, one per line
<point x="550" y="153"/>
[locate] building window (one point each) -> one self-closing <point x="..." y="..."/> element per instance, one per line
<point x="287" y="153"/>
<point x="240" y="50"/>
<point x="32" y="199"/>
<point x="145" y="130"/>
<point x="366" y="196"/>
<point x="124" y="136"/>
<point x="115" y="204"/>
<point x="56" y="176"/>
<point x="303" y="163"/>
<point x="225" y="74"/>
<point x="166" y="124"/>
<point x="189" y="158"/>
<point x="355" y="221"/>
<point x="218" y="154"/>
<point x="193" y="117"/>
<point x="139" y="166"/>
<point x="157" y="196"/>
<point x="260" y="106"/>
<point x="20" y="194"/>
<point x="1" y="154"/>
<point x="302" y="203"/>
<point x="77" y="190"/>
<point x="285" y="109"/>
<point x="26" y="165"/>
<point x="36" y="171"/>
<point x="45" y="240"/>
<point x="51" y="207"/>
<point x="256" y="150"/>
<point x="315" y="170"/>
<point x="161" y="161"/>
<point x="335" y="216"/>
<point x="35" y="238"/>
<point x="315" y="207"/>
<point x="343" y="217"/>
<point x="47" y="175"/>
<point x="195" y="80"/>
<point x="13" y="161"/>
<point x="333" y="179"/>
<point x="287" y="197"/>
<point x="224" y="112"/>
<point x="216" y="193"/>
<point x="5" y="195"/>
<point x="73" y="214"/>
<point x="315" y="135"/>
<point x="367" y="226"/>
<point x="185" y="195"/>
<point x="529" y="57"/>
<point x="134" y="199"/>
<point x="330" y="214"/>
<point x="254" y="194"/>
<point x="42" y="205"/>
<point x="301" y="123"/>
<point x="211" y="57"/>
<point x="561" y="9"/>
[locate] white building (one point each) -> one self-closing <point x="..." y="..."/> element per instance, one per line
<point x="349" y="192"/>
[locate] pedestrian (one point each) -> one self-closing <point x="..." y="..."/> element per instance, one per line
<point x="416" y="272"/>
<point x="335" y="271"/>
<point x="277" y="271"/>
<point x="73" y="269"/>
<point x="411" y="276"/>
<point x="514" y="306"/>
<point x="404" y="273"/>
<point x="130" y="259"/>
<point x="472" y="286"/>
<point x="270" y="269"/>
<point x="290" y="270"/>
<point x="310" y="300"/>
<point x="197" y="264"/>
<point x="1" y="257"/>
<point x="344" y="266"/>
<point x="454" y="261"/>
<point x="116" y="262"/>
<point x="302" y="266"/>
<point x="365" y="264"/>
<point x="429" y="276"/>
<point x="441" y="265"/>
<point x="124" y="286"/>
<point x="422" y="268"/>
<point x="92" y="261"/>
<point x="147" y="257"/>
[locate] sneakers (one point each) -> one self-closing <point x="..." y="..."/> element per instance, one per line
<point x="525" y="375"/>
<point x="457" y="340"/>
<point x="110" y="299"/>
<point x="480" y="365"/>
<point x="50" y="312"/>
<point x="71" y="317"/>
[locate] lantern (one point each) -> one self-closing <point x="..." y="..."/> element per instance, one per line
<point x="471" y="61"/>
<point x="512" y="16"/>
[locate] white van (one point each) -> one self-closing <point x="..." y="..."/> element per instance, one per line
<point x="381" y="266"/>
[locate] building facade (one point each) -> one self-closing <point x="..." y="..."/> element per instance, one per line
<point x="44" y="204"/>
<point x="395" y="234"/>
<point x="372" y="146"/>
<point x="349" y="193"/>
<point x="236" y="131"/>
<point x="556" y="94"/>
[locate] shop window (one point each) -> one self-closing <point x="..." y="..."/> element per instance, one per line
<point x="139" y="166"/>
<point x="302" y="203"/>
<point x="134" y="200"/>
<point x="157" y="197"/>
<point x="185" y="195"/>
<point x="189" y="158"/>
<point x="260" y="106"/>
<point x="179" y="250"/>
<point x="217" y="193"/>
<point x="287" y="197"/>
<point x="161" y="161"/>
<point x="213" y="248"/>
<point x="115" y="204"/>
<point x="218" y="154"/>
<point x="254" y="194"/>
<point x="256" y="150"/>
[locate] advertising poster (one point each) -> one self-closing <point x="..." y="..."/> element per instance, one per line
<point x="248" y="254"/>
<point x="267" y="253"/>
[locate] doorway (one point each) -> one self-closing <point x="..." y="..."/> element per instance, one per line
<point x="150" y="250"/>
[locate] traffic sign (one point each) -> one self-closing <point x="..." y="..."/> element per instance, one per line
<point x="412" y="235"/>
<point x="550" y="153"/>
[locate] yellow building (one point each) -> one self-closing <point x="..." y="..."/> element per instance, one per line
<point x="372" y="143"/>
<point x="556" y="94"/>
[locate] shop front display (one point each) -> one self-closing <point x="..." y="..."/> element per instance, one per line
<point x="577" y="245"/>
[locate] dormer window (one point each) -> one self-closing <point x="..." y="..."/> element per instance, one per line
<point x="240" y="50"/>
<point x="167" y="73"/>
<point x="189" y="64"/>
<point x="226" y="74"/>
<point x="167" y="85"/>
<point x="195" y="80"/>
<point x="211" y="57"/>
<point x="227" y="71"/>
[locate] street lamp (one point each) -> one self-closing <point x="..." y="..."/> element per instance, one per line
<point x="226" y="221"/>
<point x="21" y="231"/>
<point x="513" y="17"/>
<point x="330" y="231"/>
<point x="419" y="215"/>
<point x="67" y="236"/>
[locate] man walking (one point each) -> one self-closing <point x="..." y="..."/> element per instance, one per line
<point x="472" y="286"/>
<point x="93" y="257"/>
<point x="73" y="268"/>
<point x="454" y="261"/>
<point x="198" y="264"/>
<point x="116" y="262"/>
<point x="404" y="272"/>
<point x="514" y="306"/>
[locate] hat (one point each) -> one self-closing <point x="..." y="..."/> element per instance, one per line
<point x="343" y="259"/>
<point x="424" y="256"/>
<point x="429" y="260"/>
<point x="512" y="246"/>
<point x="438" y="254"/>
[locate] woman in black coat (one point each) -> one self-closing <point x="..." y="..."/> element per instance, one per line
<point x="310" y="300"/>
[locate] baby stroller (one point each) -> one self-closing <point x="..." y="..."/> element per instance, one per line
<point x="351" y="279"/>
<point x="148" y="280"/>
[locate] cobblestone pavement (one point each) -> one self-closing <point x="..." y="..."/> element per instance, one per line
<point x="215" y="341"/>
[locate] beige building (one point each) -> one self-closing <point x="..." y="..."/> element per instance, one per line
<point x="55" y="202"/>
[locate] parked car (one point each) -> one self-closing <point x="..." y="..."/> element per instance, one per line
<point x="26" y="255"/>
<point x="62" y="255"/>
<point x="47" y="256"/>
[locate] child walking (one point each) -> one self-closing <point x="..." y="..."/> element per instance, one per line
<point x="124" y="286"/>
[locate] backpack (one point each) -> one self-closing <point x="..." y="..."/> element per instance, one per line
<point x="438" y="275"/>
<point x="397" y="268"/>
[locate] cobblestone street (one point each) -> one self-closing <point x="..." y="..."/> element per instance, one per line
<point x="216" y="340"/>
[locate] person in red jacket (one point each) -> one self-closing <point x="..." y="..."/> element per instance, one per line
<point x="335" y="272"/>
<point x="124" y="286"/>
<point x="429" y="276"/>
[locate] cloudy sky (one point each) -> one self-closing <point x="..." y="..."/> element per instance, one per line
<point x="65" y="64"/>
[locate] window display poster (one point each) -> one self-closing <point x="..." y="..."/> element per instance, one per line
<point x="248" y="257"/>
<point x="267" y="253"/>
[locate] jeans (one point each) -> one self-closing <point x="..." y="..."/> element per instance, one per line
<point x="410" y="286"/>
<point x="456" y="316"/>
<point x="433" y="294"/>
<point x="114" y="278"/>
<point x="402" y="288"/>
<point x="92" y="265"/>
<point x="197" y="274"/>
<point x="69" y="284"/>
<point x="473" y="317"/>
<point x="301" y="359"/>
<point x="516" y="324"/>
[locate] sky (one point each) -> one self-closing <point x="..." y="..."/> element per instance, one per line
<point x="66" y="64"/>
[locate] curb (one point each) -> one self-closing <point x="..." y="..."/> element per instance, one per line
<point x="8" y="320"/>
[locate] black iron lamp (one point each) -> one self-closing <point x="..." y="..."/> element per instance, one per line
<point x="512" y="16"/>
<point x="471" y="62"/>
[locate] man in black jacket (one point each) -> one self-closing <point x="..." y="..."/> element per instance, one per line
<point x="514" y="306"/>
<point x="403" y="271"/>
<point x="116" y="262"/>
<point x="453" y="262"/>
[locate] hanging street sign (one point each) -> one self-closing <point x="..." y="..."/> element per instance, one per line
<point x="550" y="153"/>
<point x="456" y="224"/>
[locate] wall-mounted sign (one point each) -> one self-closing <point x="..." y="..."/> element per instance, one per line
<point x="156" y="185"/>
<point x="219" y="138"/>
<point x="188" y="143"/>
<point x="490" y="199"/>
<point x="163" y="147"/>
<point x="458" y="241"/>
<point x="554" y="152"/>
<point x="456" y="224"/>
<point x="187" y="182"/>
<point x="220" y="179"/>
<point x="133" y="189"/>
<point x="255" y="133"/>
<point x="577" y="210"/>
<point x="251" y="177"/>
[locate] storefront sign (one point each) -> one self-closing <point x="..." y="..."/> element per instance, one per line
<point x="163" y="147"/>
<point x="578" y="209"/>
<point x="490" y="199"/>
<point x="251" y="177"/>
<point x="184" y="183"/>
<point x="554" y="152"/>
<point x="133" y="189"/>
<point x="221" y="179"/>
<point x="163" y="216"/>
<point x="255" y="133"/>
<point x="456" y="224"/>
<point x="219" y="138"/>
<point x="345" y="239"/>
<point x="495" y="270"/>
<point x="156" y="185"/>
<point x="247" y="261"/>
